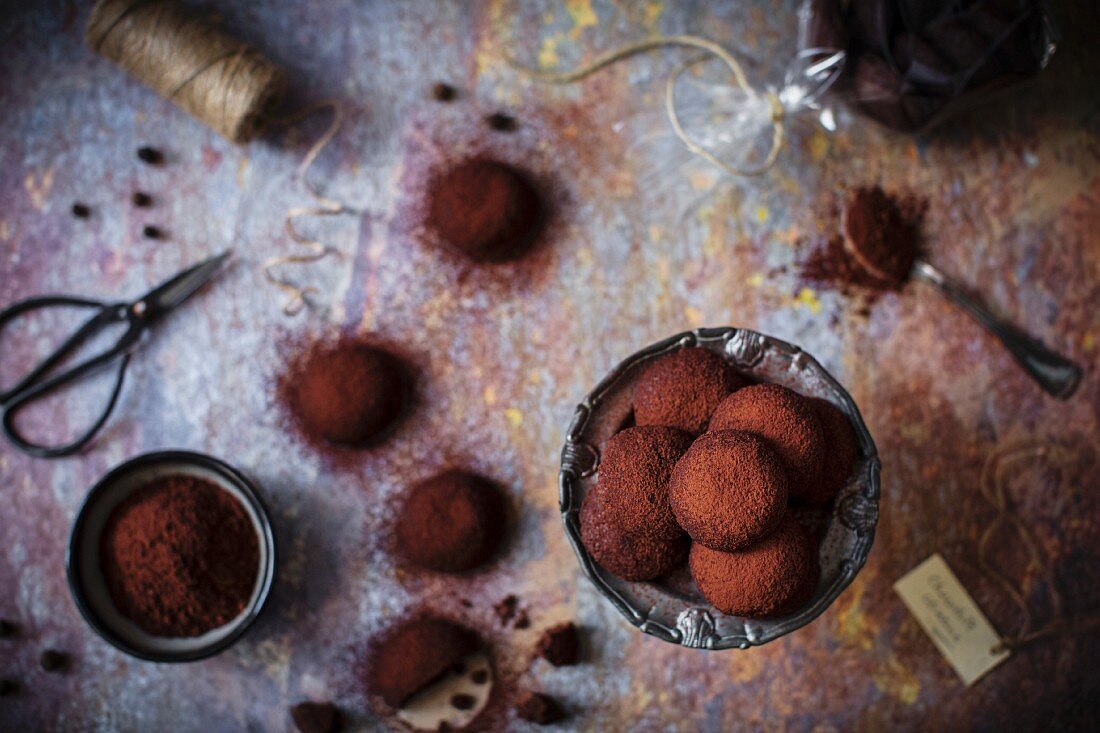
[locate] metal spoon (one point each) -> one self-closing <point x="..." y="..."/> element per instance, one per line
<point x="1054" y="373"/>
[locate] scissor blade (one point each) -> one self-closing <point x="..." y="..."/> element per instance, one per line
<point x="170" y="294"/>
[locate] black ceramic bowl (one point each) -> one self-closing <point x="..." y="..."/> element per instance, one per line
<point x="86" y="580"/>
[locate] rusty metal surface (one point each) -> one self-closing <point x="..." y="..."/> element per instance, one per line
<point x="503" y="354"/>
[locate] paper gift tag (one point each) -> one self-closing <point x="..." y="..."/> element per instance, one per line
<point x="949" y="615"/>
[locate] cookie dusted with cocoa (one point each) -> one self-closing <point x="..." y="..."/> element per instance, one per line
<point x="682" y="388"/>
<point x="451" y="522"/>
<point x="487" y="210"/>
<point x="729" y="490"/>
<point x="629" y="555"/>
<point x="772" y="578"/>
<point x="840" y="456"/>
<point x="413" y="655"/>
<point x="789" y="424"/>
<point x="635" y="467"/>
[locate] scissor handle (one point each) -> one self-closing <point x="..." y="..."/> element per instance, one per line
<point x="33" y="385"/>
<point x="7" y="423"/>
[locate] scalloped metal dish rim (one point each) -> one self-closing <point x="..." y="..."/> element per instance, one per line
<point x="568" y="474"/>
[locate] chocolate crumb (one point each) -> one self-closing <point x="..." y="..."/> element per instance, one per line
<point x="8" y="687"/>
<point x="316" y="717"/>
<point x="480" y="677"/>
<point x="505" y="609"/>
<point x="141" y="200"/>
<point x="522" y="621"/>
<point x="152" y="232"/>
<point x="442" y="92"/>
<point x="502" y="122"/>
<point x="459" y="668"/>
<point x="559" y="645"/>
<point x="149" y="155"/>
<point x="53" y="660"/>
<point x="80" y="211"/>
<point x="7" y="629"/>
<point x="463" y="702"/>
<point x="538" y="708"/>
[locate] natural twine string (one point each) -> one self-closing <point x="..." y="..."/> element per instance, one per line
<point x="649" y="44"/>
<point x="188" y="60"/>
<point x="993" y="485"/>
<point x="299" y="295"/>
<point x="225" y="84"/>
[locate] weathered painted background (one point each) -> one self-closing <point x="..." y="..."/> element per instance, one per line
<point x="504" y="354"/>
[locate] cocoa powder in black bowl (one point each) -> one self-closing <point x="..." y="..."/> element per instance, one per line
<point x="172" y="556"/>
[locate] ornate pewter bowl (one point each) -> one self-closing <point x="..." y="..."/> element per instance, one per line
<point x="672" y="608"/>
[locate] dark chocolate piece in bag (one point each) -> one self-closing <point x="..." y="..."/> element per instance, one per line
<point x="872" y="23"/>
<point x="878" y="88"/>
<point x="921" y="64"/>
<point x="827" y="27"/>
<point x="972" y="56"/>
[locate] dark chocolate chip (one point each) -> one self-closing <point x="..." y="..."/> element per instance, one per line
<point x="316" y="717"/>
<point x="152" y="232"/>
<point x="52" y="660"/>
<point x="141" y="199"/>
<point x="522" y="620"/>
<point x="443" y="92"/>
<point x="8" y="687"/>
<point x="149" y="155"/>
<point x="463" y="702"/>
<point x="80" y="211"/>
<point x="480" y="677"/>
<point x="538" y="708"/>
<point x="501" y="122"/>
<point x="7" y="629"/>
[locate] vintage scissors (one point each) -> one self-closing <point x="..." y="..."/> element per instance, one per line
<point x="138" y="316"/>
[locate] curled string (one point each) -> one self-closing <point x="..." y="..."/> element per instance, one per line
<point x="993" y="485"/>
<point x="649" y="44"/>
<point x="325" y="206"/>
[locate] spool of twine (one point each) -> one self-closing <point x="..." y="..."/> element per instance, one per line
<point x="188" y="60"/>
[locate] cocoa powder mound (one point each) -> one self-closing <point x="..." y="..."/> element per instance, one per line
<point x="629" y="555"/>
<point x="774" y="577"/>
<point x="487" y="210"/>
<point x="415" y="654"/>
<point x="879" y="236"/>
<point x="840" y="456"/>
<point x="451" y="522"/>
<point x="635" y="466"/>
<point x="787" y="421"/>
<point x="180" y="556"/>
<point x="346" y="392"/>
<point x="682" y="388"/>
<point x="729" y="490"/>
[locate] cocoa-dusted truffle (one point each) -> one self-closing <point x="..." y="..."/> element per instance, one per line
<point x="629" y="555"/>
<point x="771" y="578"/>
<point x="484" y="209"/>
<point x="682" y="388"/>
<point x="414" y="655"/>
<point x="634" y="470"/>
<point x="840" y="455"/>
<point x="786" y="420"/>
<point x="729" y="490"/>
<point x="346" y="392"/>
<point x="451" y="522"/>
